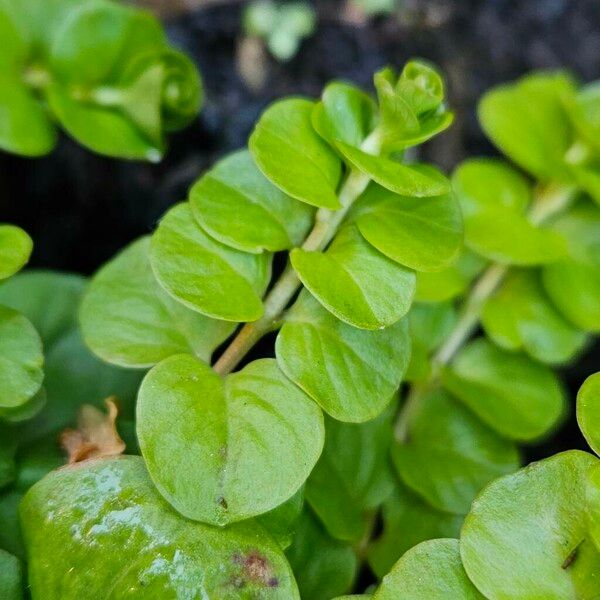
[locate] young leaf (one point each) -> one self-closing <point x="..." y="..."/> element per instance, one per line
<point x="21" y="359"/>
<point x="238" y="206"/>
<point x="517" y="397"/>
<point x="107" y="513"/>
<point x="205" y="275"/>
<point x="15" y="250"/>
<point x="526" y="538"/>
<point x="293" y="156"/>
<point x="520" y="316"/>
<point x="355" y="282"/>
<point x="253" y="438"/>
<point x="408" y="521"/>
<point x="450" y="454"/>
<point x="419" y="181"/>
<point x="11" y="577"/>
<point x="345" y="114"/>
<point x="430" y="571"/>
<point x="424" y="234"/>
<point x="528" y="122"/>
<point x="351" y="373"/>
<point x="588" y="411"/>
<point x="323" y="567"/>
<point x="129" y="320"/>
<point x="352" y="476"/>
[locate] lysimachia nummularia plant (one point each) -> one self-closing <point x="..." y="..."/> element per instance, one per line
<point x="281" y="477"/>
<point x="102" y="71"/>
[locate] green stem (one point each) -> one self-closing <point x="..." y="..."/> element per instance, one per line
<point x="548" y="201"/>
<point x="326" y="225"/>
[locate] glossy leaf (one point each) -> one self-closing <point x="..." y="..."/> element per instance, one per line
<point x="21" y="359"/>
<point x="129" y="320"/>
<point x="430" y="571"/>
<point x="514" y="395"/>
<point x="323" y="567"/>
<point x="424" y="234"/>
<point x="107" y="513"/>
<point x="528" y="122"/>
<point x="254" y="438"/>
<point x="205" y="275"/>
<point x="293" y="156"/>
<point x="238" y="206"/>
<point x="520" y="316"/>
<point x="15" y="249"/>
<point x="355" y="282"/>
<point x="11" y="577"/>
<point x="24" y="412"/>
<point x="592" y="507"/>
<point x="419" y="181"/>
<point x="345" y="114"/>
<point x="450" y="455"/>
<point x="588" y="411"/>
<point x="351" y="373"/>
<point x="352" y="476"/>
<point x="282" y="521"/>
<point x="408" y="521"/>
<point x="525" y="537"/>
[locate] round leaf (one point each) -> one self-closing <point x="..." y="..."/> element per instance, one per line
<point x="450" y="455"/>
<point x="525" y="537"/>
<point x="357" y="283"/>
<point x="588" y="411"/>
<point x="293" y="156"/>
<point x="430" y="571"/>
<point x="351" y="373"/>
<point x="514" y="395"/>
<point x="424" y="234"/>
<point x="242" y="446"/>
<point x="15" y="250"/>
<point x="205" y="275"/>
<point x="107" y="513"/>
<point x="128" y="319"/>
<point x="11" y="577"/>
<point x="238" y="206"/>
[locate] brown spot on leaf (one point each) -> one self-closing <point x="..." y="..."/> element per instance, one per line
<point x="254" y="568"/>
<point x="96" y="435"/>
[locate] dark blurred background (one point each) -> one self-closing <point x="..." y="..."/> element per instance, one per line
<point x="81" y="208"/>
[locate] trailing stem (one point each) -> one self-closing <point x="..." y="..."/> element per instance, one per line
<point x="548" y="201"/>
<point x="326" y="225"/>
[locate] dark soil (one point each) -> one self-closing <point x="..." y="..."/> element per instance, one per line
<point x="81" y="208"/>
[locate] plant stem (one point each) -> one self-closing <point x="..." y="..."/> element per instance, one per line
<point x="548" y="201"/>
<point x="326" y="224"/>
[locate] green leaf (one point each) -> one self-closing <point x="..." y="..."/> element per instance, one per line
<point x="49" y="299"/>
<point x="238" y="206"/>
<point x="493" y="198"/>
<point x="129" y="320"/>
<point x="8" y="449"/>
<point x="281" y="522"/>
<point x="293" y="156"/>
<point x="74" y="376"/>
<point x="10" y="530"/>
<point x="588" y="411"/>
<point x="21" y="359"/>
<point x="528" y="122"/>
<point x="408" y="521"/>
<point x="24" y="412"/>
<point x="355" y="282"/>
<point x="525" y="537"/>
<point x="573" y="283"/>
<point x="35" y="461"/>
<point x="352" y="476"/>
<point x="345" y="114"/>
<point x="424" y="234"/>
<point x="593" y="504"/>
<point x="11" y="577"/>
<point x="107" y="513"/>
<point x="450" y="455"/>
<point x="323" y="567"/>
<point x="419" y="181"/>
<point x="351" y="373"/>
<point x="430" y="571"/>
<point x="15" y="250"/>
<point x="519" y="398"/>
<point x="585" y="113"/>
<point x="253" y="438"/>
<point x="203" y="274"/>
<point x="520" y="316"/>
